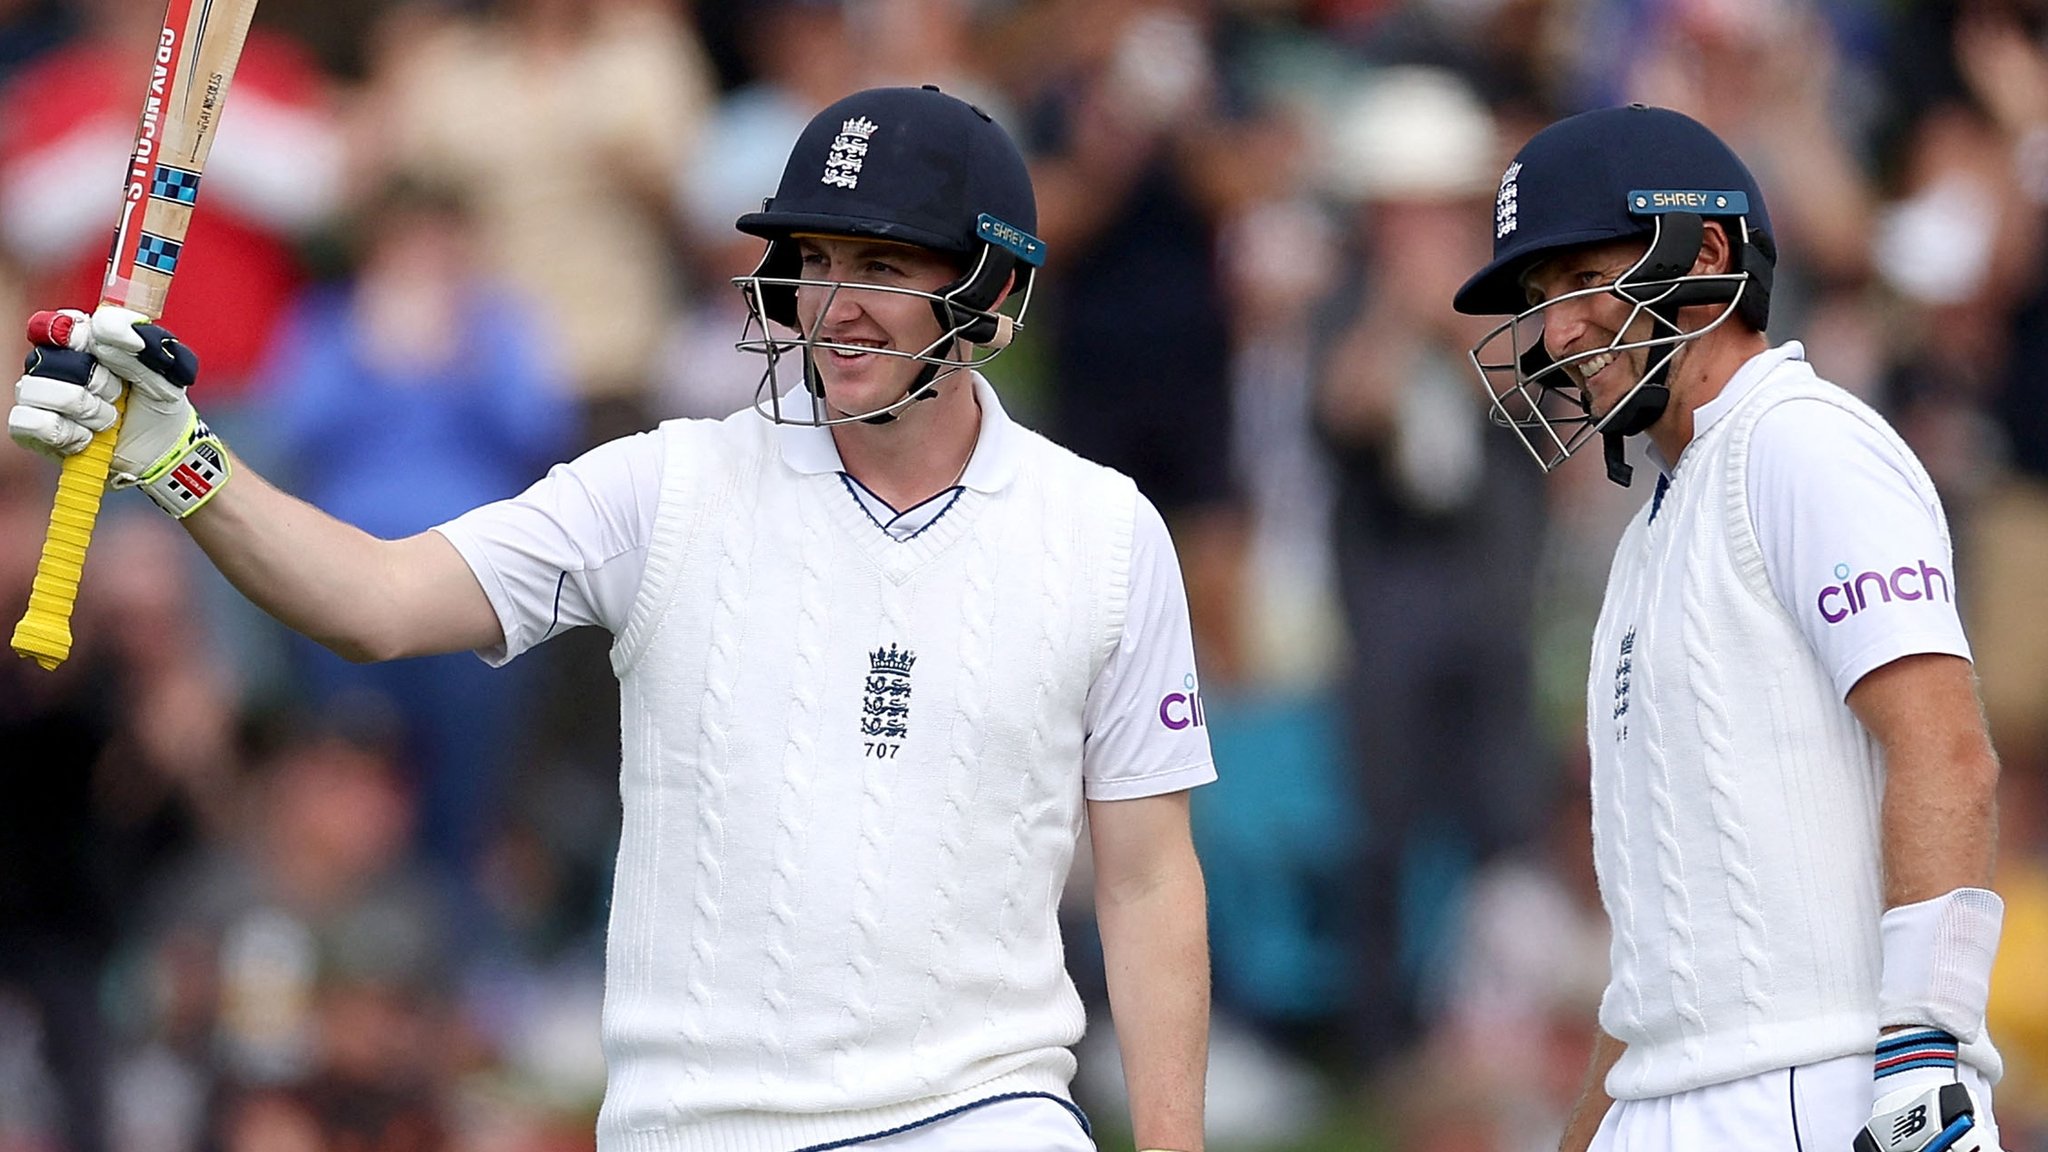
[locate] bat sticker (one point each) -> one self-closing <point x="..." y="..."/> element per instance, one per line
<point x="174" y="185"/>
<point x="157" y="253"/>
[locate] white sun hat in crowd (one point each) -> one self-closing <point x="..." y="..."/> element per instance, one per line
<point x="1410" y="132"/>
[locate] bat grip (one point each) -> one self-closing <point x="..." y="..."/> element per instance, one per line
<point x="44" y="634"/>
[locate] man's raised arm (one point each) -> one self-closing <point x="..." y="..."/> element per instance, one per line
<point x="365" y="598"/>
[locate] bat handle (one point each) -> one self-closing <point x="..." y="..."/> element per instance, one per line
<point x="44" y="634"/>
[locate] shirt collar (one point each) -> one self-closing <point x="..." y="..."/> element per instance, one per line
<point x="1746" y="378"/>
<point x="811" y="450"/>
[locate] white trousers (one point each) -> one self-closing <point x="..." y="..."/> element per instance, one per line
<point x="1031" y="1124"/>
<point x="1816" y="1108"/>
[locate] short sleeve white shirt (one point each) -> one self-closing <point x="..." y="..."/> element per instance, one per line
<point x="570" y="551"/>
<point x="1854" y="540"/>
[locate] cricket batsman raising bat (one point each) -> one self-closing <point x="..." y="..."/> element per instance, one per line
<point x="188" y="85"/>
<point x="864" y="653"/>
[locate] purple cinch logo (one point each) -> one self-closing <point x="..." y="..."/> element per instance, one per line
<point x="1179" y="710"/>
<point x="1915" y="581"/>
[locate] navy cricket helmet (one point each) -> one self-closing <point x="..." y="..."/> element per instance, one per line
<point x="912" y="166"/>
<point x="1613" y="174"/>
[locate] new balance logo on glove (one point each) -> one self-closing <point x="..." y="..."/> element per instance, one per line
<point x="1910" y="1123"/>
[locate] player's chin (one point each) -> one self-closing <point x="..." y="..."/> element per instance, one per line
<point x="866" y="384"/>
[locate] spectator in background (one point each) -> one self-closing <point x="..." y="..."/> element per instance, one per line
<point x="1956" y="251"/>
<point x="66" y="124"/>
<point x="566" y="123"/>
<point x="2001" y="59"/>
<point x="803" y="56"/>
<point x="1437" y="533"/>
<point x="929" y="42"/>
<point x="324" y="956"/>
<point x="1276" y="834"/>
<point x="699" y="361"/>
<point x="340" y="36"/>
<point x="419" y="390"/>
<point x="1279" y="257"/>
<point x="1130" y="154"/>
<point x="1765" y="76"/>
<point x="1531" y="961"/>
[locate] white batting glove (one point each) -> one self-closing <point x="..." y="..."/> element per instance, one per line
<point x="163" y="447"/>
<point x="1921" y="1104"/>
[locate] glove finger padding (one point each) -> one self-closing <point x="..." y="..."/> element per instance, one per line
<point x="55" y="409"/>
<point x="45" y="432"/>
<point x="61" y="381"/>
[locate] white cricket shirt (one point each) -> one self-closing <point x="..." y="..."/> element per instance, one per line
<point x="1795" y="546"/>
<point x="571" y="549"/>
<point x="855" y="751"/>
<point x="1855" y="546"/>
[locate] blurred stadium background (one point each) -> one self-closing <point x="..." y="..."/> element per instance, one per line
<point x="254" y="899"/>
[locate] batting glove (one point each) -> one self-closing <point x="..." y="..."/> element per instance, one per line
<point x="1921" y="1105"/>
<point x="79" y="366"/>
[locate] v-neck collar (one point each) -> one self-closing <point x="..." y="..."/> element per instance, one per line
<point x="909" y="522"/>
<point x="811" y="450"/>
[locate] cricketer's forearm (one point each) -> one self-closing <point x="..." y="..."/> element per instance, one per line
<point x="364" y="598"/>
<point x="1939" y="820"/>
<point x="1593" y="1101"/>
<point x="1155" y="944"/>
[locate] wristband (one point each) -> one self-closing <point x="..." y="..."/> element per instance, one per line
<point x="1913" y="1050"/>
<point x="186" y="477"/>
<point x="1937" y="962"/>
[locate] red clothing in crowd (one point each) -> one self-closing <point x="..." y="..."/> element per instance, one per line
<point x="66" y="124"/>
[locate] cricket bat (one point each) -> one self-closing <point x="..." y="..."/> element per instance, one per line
<point x="188" y="84"/>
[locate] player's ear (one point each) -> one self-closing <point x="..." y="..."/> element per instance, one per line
<point x="1717" y="251"/>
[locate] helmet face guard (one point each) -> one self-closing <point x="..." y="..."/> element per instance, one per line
<point x="971" y="330"/>
<point x="1602" y="176"/>
<point x="1540" y="398"/>
<point x="908" y="166"/>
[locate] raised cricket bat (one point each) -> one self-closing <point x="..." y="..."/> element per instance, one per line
<point x="188" y="84"/>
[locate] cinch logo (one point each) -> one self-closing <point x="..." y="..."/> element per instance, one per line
<point x="1838" y="602"/>
<point x="1178" y="710"/>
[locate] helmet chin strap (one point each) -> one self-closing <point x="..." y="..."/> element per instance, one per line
<point x="1635" y="415"/>
<point x="920" y="390"/>
<point x="924" y="386"/>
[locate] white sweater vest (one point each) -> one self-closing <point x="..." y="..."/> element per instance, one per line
<point x="852" y="790"/>
<point x="1735" y="796"/>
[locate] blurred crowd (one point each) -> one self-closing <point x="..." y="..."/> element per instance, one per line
<point x="254" y="898"/>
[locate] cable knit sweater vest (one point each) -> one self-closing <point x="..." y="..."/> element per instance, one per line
<point x="852" y="790"/>
<point x="1735" y="796"/>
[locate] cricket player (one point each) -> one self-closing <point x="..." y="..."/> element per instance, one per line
<point x="882" y="657"/>
<point x="1792" y="785"/>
